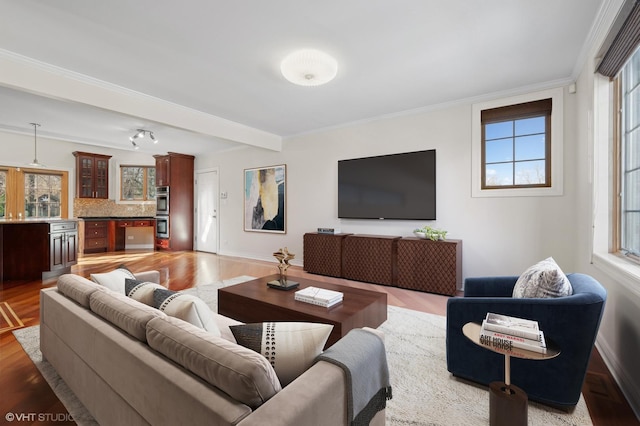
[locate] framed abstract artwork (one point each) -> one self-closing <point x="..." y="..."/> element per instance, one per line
<point x="265" y="199"/>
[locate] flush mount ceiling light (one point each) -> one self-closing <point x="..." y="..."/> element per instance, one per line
<point x="140" y="135"/>
<point x="309" y="67"/>
<point x="35" y="162"/>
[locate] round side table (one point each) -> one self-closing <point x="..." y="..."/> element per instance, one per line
<point x="508" y="404"/>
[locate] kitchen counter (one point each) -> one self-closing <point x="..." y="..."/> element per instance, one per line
<point x="32" y="220"/>
<point x="116" y="217"/>
<point x="37" y="248"/>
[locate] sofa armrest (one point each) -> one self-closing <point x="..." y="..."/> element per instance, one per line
<point x="148" y="276"/>
<point x="316" y="397"/>
<point x="489" y="286"/>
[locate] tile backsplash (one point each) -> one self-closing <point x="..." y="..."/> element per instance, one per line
<point x="83" y="207"/>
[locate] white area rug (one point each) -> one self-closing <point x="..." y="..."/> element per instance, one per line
<point x="424" y="392"/>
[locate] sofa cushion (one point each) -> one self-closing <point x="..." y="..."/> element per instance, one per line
<point x="187" y="307"/>
<point x="113" y="280"/>
<point x="77" y="288"/>
<point x="123" y="312"/>
<point x="545" y="279"/>
<point x="239" y="372"/>
<point x="142" y="291"/>
<point x="290" y="347"/>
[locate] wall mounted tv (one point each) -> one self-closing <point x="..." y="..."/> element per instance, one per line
<point x="397" y="186"/>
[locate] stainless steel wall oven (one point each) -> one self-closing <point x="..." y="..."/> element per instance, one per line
<point x="162" y="226"/>
<point x="162" y="201"/>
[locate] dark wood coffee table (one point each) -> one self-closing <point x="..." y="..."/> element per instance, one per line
<point x="253" y="301"/>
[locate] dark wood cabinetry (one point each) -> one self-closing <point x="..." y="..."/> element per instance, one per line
<point x="369" y="258"/>
<point x="120" y="230"/>
<point x="109" y="234"/>
<point x="433" y="266"/>
<point x="92" y="175"/>
<point x="63" y="246"/>
<point x="322" y="254"/>
<point x="37" y="249"/>
<point x="411" y="263"/>
<point x="176" y="172"/>
<point x="95" y="236"/>
<point x="162" y="170"/>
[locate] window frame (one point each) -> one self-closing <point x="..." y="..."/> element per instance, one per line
<point x="15" y="190"/>
<point x="556" y="141"/>
<point x="618" y="168"/>
<point x="120" y="199"/>
<point x="512" y="114"/>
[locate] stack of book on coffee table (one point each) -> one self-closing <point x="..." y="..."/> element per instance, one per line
<point x="511" y="333"/>
<point x="319" y="296"/>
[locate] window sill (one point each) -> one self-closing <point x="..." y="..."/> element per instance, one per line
<point x="621" y="270"/>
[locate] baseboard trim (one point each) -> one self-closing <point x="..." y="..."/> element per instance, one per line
<point x="624" y="380"/>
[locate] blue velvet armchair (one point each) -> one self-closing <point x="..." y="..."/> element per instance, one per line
<point x="572" y="322"/>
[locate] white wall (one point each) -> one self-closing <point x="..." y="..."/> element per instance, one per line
<point x="500" y="235"/>
<point x="16" y="150"/>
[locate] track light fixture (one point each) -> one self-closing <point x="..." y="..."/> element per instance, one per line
<point x="140" y="135"/>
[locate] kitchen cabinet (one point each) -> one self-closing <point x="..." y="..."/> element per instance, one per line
<point x="102" y="234"/>
<point x="95" y="236"/>
<point x="162" y="170"/>
<point x="121" y="226"/>
<point x="92" y="175"/>
<point x="34" y="249"/>
<point x="63" y="246"/>
<point x="176" y="172"/>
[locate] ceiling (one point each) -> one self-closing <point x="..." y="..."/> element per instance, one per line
<point x="204" y="74"/>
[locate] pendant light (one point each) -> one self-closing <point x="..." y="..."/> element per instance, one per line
<point x="35" y="162"/>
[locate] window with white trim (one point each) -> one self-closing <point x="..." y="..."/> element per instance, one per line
<point x="517" y="145"/>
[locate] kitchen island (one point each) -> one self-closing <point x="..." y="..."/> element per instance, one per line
<point x="32" y="249"/>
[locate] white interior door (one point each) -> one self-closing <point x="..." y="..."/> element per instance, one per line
<point x="207" y="211"/>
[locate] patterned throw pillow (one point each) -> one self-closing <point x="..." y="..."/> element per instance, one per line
<point x="114" y="280"/>
<point x="545" y="279"/>
<point x="290" y="347"/>
<point x="187" y="307"/>
<point x="142" y="291"/>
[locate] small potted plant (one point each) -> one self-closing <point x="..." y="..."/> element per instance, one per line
<point x="430" y="233"/>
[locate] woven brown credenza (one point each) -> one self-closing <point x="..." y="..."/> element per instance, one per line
<point x="412" y="263"/>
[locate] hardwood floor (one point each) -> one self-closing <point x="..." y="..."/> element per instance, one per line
<point x="26" y="393"/>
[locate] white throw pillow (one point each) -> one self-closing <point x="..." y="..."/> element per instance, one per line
<point x="186" y="307"/>
<point x="142" y="291"/>
<point x="545" y="279"/>
<point x="113" y="280"/>
<point x="290" y="347"/>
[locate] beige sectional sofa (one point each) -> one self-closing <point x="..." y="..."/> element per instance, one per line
<point x="129" y="363"/>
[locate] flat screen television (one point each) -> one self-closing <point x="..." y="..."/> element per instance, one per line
<point x="397" y="186"/>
